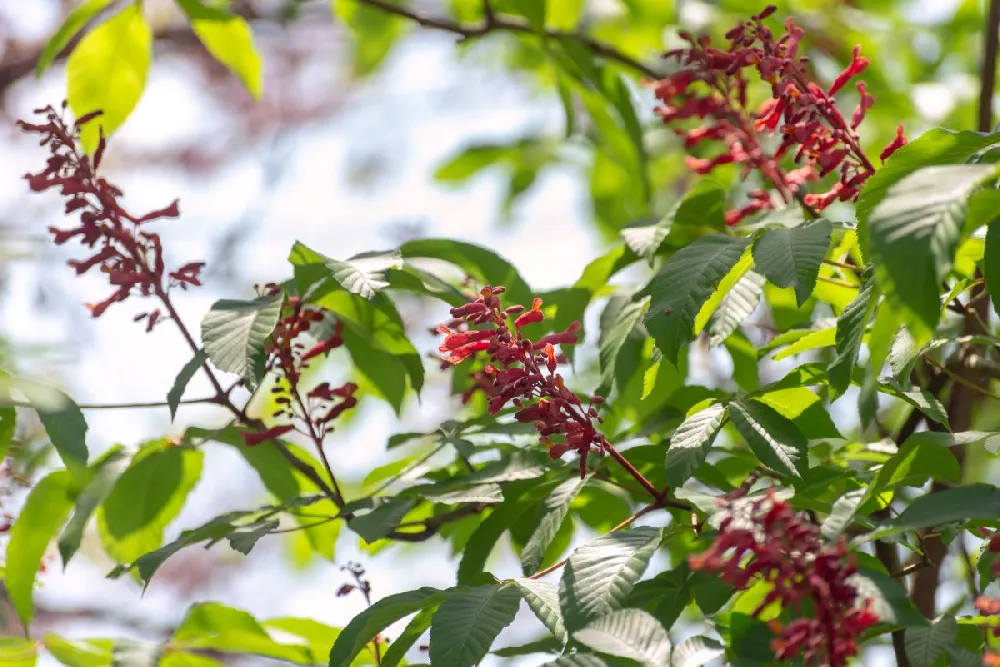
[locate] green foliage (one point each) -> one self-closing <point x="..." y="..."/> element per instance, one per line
<point x="697" y="399"/>
<point x="107" y="71"/>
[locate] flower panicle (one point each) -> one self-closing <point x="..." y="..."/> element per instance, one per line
<point x="712" y="86"/>
<point x="764" y="537"/>
<point x="304" y="333"/>
<point x="121" y="247"/>
<point x="523" y="372"/>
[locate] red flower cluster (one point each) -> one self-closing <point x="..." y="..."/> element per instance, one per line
<point x="131" y="257"/>
<point x="288" y="356"/>
<point x="785" y="550"/>
<point x="524" y="372"/>
<point x="713" y="85"/>
<point x="988" y="606"/>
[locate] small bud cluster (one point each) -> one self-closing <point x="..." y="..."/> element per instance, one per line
<point x="130" y="256"/>
<point x="990" y="606"/>
<point x="288" y="355"/>
<point x="524" y="372"/>
<point x="763" y="537"/>
<point x="713" y="85"/>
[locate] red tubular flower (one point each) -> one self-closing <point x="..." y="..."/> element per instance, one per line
<point x="523" y="372"/>
<point x="131" y="257"/>
<point x="712" y="86"/>
<point x="254" y="438"/>
<point x="763" y="537"/>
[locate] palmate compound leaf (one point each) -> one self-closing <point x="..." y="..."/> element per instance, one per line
<point x="233" y="333"/>
<point x="738" y="304"/>
<point x="543" y="599"/>
<point x="628" y="633"/>
<point x="469" y="620"/>
<point x="772" y="437"/>
<point x="691" y="442"/>
<point x="914" y="233"/>
<point x="599" y="575"/>
<point x="792" y="257"/>
<point x="682" y="286"/>
<point x="554" y="511"/>
<point x="376" y="618"/>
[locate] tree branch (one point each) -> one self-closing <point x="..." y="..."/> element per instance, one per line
<point x="495" y="23"/>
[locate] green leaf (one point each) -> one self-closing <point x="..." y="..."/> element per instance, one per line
<point x="245" y="540"/>
<point x="964" y="503"/>
<point x="934" y="147"/>
<point x="618" y="322"/>
<point x="683" y="284"/>
<point x="212" y="531"/>
<point x="925" y="645"/>
<point x="577" y="660"/>
<point x="696" y="651"/>
<point x="554" y="511"/>
<point x="533" y="10"/>
<point x="919" y="398"/>
<point x="805" y="408"/>
<point x="991" y="263"/>
<point x="468" y="621"/>
<point x="107" y="72"/>
<point x="73" y="24"/>
<point x="230" y="41"/>
<point x="376" y="618"/>
<point x="67" y="429"/>
<point x="774" y="439"/>
<point x="738" y="304"/>
<point x="543" y="599"/>
<point x="841" y="514"/>
<point x="373" y="33"/>
<point x="628" y="633"/>
<point x="106" y="472"/>
<point x="18" y="652"/>
<point x="381" y="521"/>
<point x="86" y="653"/>
<point x="851" y="327"/>
<point x="792" y="257"/>
<point x="599" y="575"/>
<point x="183" y="378"/>
<point x="43" y="514"/>
<point x="364" y="274"/>
<point x="146" y="498"/>
<point x="470" y="161"/>
<point x="374" y="333"/>
<point x="418" y="625"/>
<point x="811" y="340"/>
<point x="922" y="457"/>
<point x="890" y="601"/>
<point x="8" y="426"/>
<point x="234" y="332"/>
<point x="915" y="231"/>
<point x="481" y="263"/>
<point x="216" y="627"/>
<point x="691" y="442"/>
<point x="484" y="539"/>
<point x="547" y="644"/>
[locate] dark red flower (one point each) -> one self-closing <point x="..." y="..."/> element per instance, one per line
<point x="523" y="372"/>
<point x="762" y="537"/>
<point x="131" y="257"/>
<point x="712" y="86"/>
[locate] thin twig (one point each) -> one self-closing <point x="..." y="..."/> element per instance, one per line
<point x="500" y="24"/>
<point x="972" y="386"/>
<point x="125" y="406"/>
<point x="843" y="265"/>
<point x="838" y="283"/>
